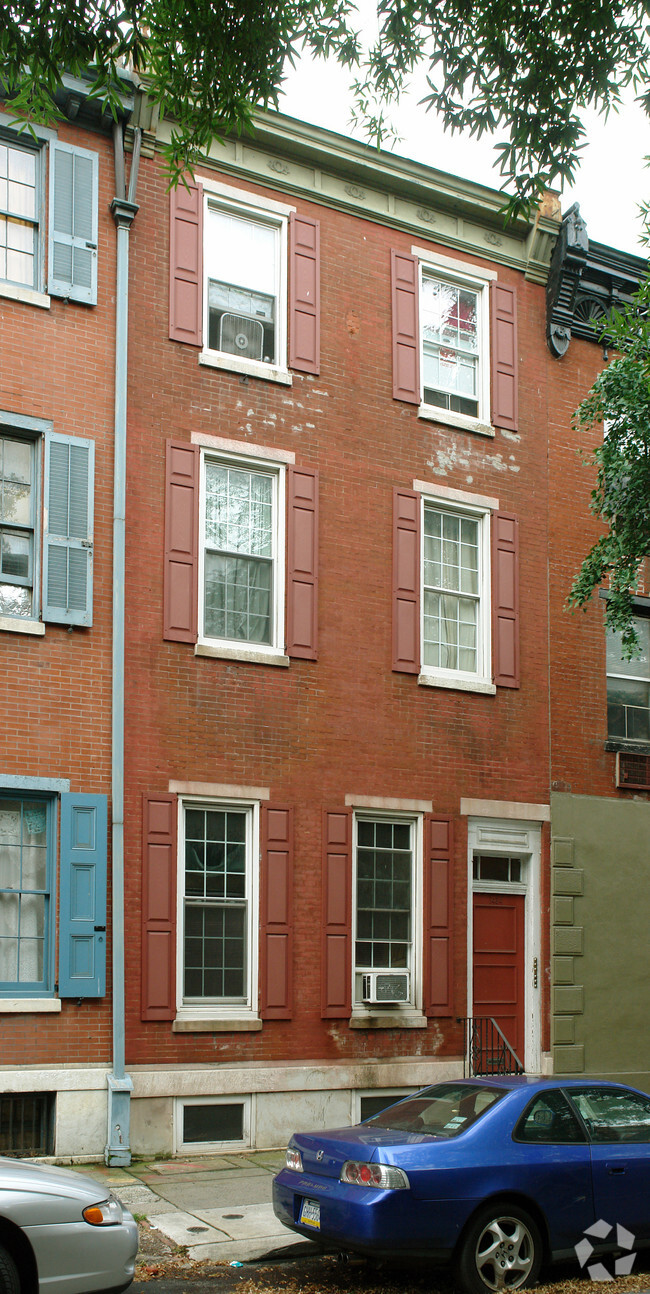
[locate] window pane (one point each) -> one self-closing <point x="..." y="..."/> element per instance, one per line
<point x="450" y="344"/>
<point x="384" y="894"/>
<point x="213" y="1122"/>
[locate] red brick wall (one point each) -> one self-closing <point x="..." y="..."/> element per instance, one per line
<point x="55" y="691"/>
<point x="346" y="724"/>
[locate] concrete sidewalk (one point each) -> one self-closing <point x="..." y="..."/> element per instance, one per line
<point x="218" y="1206"/>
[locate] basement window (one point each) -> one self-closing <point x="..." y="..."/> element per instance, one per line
<point x="26" y="1124"/>
<point x="212" y="1123"/>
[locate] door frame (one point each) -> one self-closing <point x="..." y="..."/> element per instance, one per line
<point x="521" y="839"/>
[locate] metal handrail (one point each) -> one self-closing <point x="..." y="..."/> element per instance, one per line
<point x="486" y="1049"/>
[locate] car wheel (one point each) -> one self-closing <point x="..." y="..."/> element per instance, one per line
<point x="9" y="1278"/>
<point x="502" y="1250"/>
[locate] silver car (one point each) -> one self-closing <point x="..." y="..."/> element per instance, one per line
<point x="60" y="1232"/>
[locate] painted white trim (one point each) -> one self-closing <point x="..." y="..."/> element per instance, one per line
<point x="231" y="649"/>
<point x="244" y="197"/>
<point x="412" y="1008"/>
<point x="217" y="791"/>
<point x="247" y="1010"/>
<point x="462" y="680"/>
<point x="505" y="809"/>
<point x="242" y="449"/>
<point x="33" y="1005"/>
<point x="434" y="490"/>
<point x="496" y="837"/>
<point x="29" y="296"/>
<point x="461" y="269"/>
<point x="385" y="804"/>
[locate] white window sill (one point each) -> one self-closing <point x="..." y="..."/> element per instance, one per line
<point x="216" y="1024"/>
<point x="458" y="684"/>
<point x="388" y="1020"/>
<point x="28" y="296"/>
<point x="248" y="367"/>
<point x="446" y="416"/>
<point x="241" y="653"/>
<point x="14" y="625"/>
<point x="29" y="1004"/>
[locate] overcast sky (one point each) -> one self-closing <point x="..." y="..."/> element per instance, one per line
<point x="611" y="182"/>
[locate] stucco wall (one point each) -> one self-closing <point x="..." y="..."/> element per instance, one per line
<point x="600" y="918"/>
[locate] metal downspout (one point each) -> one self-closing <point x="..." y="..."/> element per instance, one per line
<point x="120" y="1086"/>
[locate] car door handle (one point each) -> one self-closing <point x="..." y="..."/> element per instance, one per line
<point x="613" y="1171"/>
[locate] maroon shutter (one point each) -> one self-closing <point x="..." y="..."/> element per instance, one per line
<point x="405" y="290"/>
<point x="438" y="909"/>
<point x="304" y="294"/>
<point x="186" y="263"/>
<point x="180" y="591"/>
<point x="406" y="581"/>
<point x="337" y="914"/>
<point x="302" y="563"/>
<point x="505" y="599"/>
<point x="159" y="907"/>
<point x="505" y="402"/>
<point x="276" y="929"/>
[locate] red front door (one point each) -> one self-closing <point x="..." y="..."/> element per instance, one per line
<point x="499" y="963"/>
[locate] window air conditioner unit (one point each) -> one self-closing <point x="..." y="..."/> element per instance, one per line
<point x="632" y="771"/>
<point x="385" y="986"/>
<point x="239" y="335"/>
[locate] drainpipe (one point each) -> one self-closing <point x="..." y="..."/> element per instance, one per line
<point x="120" y="1085"/>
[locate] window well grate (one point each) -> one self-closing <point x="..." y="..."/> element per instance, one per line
<point x="633" y="771"/>
<point x="27" y="1124"/>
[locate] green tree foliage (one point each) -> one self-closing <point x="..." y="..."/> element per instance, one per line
<point x="619" y="405"/>
<point x="524" y="66"/>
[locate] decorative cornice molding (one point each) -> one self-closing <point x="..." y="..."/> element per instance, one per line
<point x="585" y="282"/>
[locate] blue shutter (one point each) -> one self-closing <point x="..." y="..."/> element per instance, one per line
<point x="82" y="896"/>
<point x="72" y="255"/>
<point x="68" y="530"/>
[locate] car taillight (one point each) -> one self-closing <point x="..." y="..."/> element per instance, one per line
<point x="381" y="1176"/>
<point x="106" y="1214"/>
<point x="294" y="1160"/>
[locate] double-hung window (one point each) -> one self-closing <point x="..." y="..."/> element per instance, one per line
<point x="628" y="687"/>
<point x="240" y="598"/>
<point x="29" y="899"/>
<point x="456" y="589"/>
<point x="48" y="230"/>
<point x="243" y="525"/>
<point x="245" y="289"/>
<point x="26" y="847"/>
<point x="17" y="526"/>
<point x="244" y="280"/>
<point x="454" y="341"/>
<point x="46" y="502"/>
<point x="384" y="912"/>
<point x="219" y="907"/>
<point x="20" y="200"/>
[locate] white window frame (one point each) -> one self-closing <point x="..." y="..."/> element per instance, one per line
<point x="415" y="821"/>
<point x="632" y="742"/>
<point x="32" y="430"/>
<point x="391" y="1094"/>
<point x="239" y="649"/>
<point x="480" y="509"/>
<point x="35" y="295"/>
<point x="460" y="274"/>
<point x="215" y="1009"/>
<point x="265" y="211"/>
<point x="182" y="1147"/>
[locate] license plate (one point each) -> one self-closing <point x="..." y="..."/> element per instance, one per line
<point x="310" y="1214"/>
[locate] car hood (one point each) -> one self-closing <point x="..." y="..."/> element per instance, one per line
<point x="325" y="1152"/>
<point x="18" y="1175"/>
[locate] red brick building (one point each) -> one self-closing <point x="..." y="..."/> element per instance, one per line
<point x="337" y="749"/>
<point x="340" y="678"/>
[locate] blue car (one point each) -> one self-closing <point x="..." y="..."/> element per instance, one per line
<point x="495" y="1176"/>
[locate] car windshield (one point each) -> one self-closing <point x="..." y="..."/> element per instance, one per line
<point x="441" y="1111"/>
